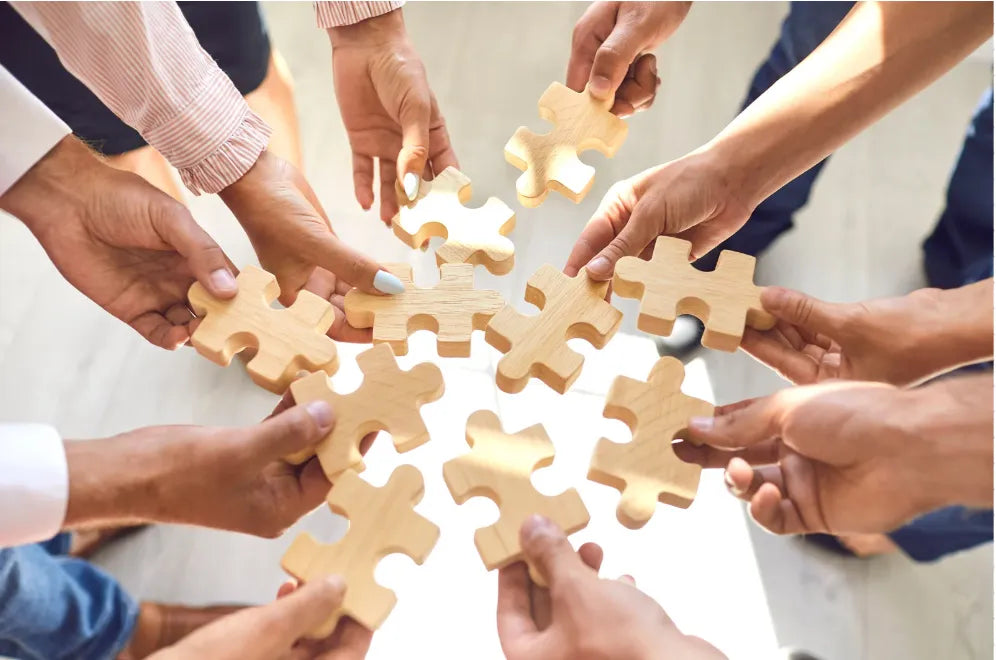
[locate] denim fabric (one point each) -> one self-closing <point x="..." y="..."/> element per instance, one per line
<point x="944" y="532"/>
<point x="54" y="607"/>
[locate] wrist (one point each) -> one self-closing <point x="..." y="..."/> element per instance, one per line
<point x="726" y="175"/>
<point x="376" y="30"/>
<point x="955" y="327"/>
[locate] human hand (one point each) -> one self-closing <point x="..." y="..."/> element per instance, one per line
<point x="609" y="51"/>
<point x="127" y="246"/>
<point x="225" y="478"/>
<point x="388" y="110"/>
<point x="691" y="198"/>
<point x="852" y="457"/>
<point x="293" y="237"/>
<point x="902" y="341"/>
<point x="588" y="617"/>
<point x="277" y="630"/>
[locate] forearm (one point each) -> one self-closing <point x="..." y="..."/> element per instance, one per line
<point x="111" y="481"/>
<point x="878" y="57"/>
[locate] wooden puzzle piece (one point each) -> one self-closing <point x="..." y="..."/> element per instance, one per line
<point x="646" y="469"/>
<point x="287" y="341"/>
<point x="382" y="521"/>
<point x="452" y="309"/>
<point x="537" y="345"/>
<point x="474" y="236"/>
<point x="581" y="122"/>
<point x="387" y="400"/>
<point x="499" y="467"/>
<point x="668" y="286"/>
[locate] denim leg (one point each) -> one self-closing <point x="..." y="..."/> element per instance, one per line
<point x="960" y="249"/>
<point x="805" y="28"/>
<point x="59" y="607"/>
<point x="944" y="532"/>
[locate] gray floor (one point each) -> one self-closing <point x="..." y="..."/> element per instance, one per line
<point x="63" y="361"/>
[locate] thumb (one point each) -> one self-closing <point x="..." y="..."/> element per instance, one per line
<point x="293" y="430"/>
<point x="205" y="258"/>
<point x="742" y="426"/>
<point x="612" y="60"/>
<point x="632" y="240"/>
<point x="289" y="618"/>
<point x="414" y="117"/>
<point x="805" y="311"/>
<point x="545" y="547"/>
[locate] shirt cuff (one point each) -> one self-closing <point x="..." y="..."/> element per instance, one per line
<point x="337" y="14"/>
<point x="34" y="483"/>
<point x="215" y="140"/>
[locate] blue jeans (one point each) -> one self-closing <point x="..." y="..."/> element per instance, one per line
<point x="959" y="251"/>
<point x="53" y="606"/>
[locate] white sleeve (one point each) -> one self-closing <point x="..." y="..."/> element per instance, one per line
<point x="34" y="483"/>
<point x="28" y="130"/>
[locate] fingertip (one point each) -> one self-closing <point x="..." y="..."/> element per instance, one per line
<point x="222" y="283"/>
<point x="320" y="412"/>
<point x="388" y="283"/>
<point x="600" y="87"/>
<point x="411" y="185"/>
<point x="773" y="297"/>
<point x="599" y="268"/>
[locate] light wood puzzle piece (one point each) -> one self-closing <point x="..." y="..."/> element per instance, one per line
<point x="474" y="236"/>
<point x="537" y="345"/>
<point x="646" y="469"/>
<point x="668" y="286"/>
<point x="581" y="122"/>
<point x="452" y="309"/>
<point x="382" y="521"/>
<point x="287" y="341"/>
<point x="499" y="467"/>
<point x="387" y="400"/>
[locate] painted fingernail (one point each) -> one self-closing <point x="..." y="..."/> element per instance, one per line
<point x="320" y="411"/>
<point x="385" y="282"/>
<point x="223" y="281"/>
<point x="536" y="526"/>
<point x="411" y="186"/>
<point x="703" y="424"/>
<point x="599" y="265"/>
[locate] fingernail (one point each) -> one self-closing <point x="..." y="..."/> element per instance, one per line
<point x="703" y="424"/>
<point x="730" y="486"/>
<point x="536" y="526"/>
<point x="599" y="265"/>
<point x="411" y="186"/>
<point x="223" y="281"/>
<point x="386" y="282"/>
<point x="336" y="581"/>
<point x="320" y="411"/>
<point x="600" y="86"/>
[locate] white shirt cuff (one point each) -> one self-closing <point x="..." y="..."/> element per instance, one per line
<point x="34" y="483"/>
<point x="27" y="132"/>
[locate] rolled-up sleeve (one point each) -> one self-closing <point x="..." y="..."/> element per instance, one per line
<point x="34" y="483"/>
<point x="143" y="61"/>
<point x="337" y="14"/>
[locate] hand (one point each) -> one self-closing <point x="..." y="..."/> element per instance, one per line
<point x="609" y="51"/>
<point x="388" y="110"/>
<point x="690" y="197"/>
<point x="902" y="341"/>
<point x="292" y="235"/>
<point x="277" y="630"/>
<point x="225" y="478"/>
<point x="588" y="617"/>
<point x="852" y="457"/>
<point x="127" y="246"/>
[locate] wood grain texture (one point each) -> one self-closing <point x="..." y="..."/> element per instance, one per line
<point x="388" y="400"/>
<point x="474" y="236"/>
<point x="452" y="309"/>
<point x="499" y="467"/>
<point x="725" y="300"/>
<point x="382" y="521"/>
<point x="646" y="469"/>
<point x="536" y="346"/>
<point x="550" y="161"/>
<point x="287" y="341"/>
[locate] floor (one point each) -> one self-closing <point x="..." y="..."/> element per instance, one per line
<point x="63" y="361"/>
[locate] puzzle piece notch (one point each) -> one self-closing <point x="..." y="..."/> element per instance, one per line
<point x="382" y="521"/>
<point x="388" y="399"/>
<point x="550" y="161"/>
<point x="287" y="341"/>
<point x="536" y="346"/>
<point x="499" y="467"/>
<point x="646" y="469"/>
<point x="725" y="300"/>
<point x="475" y="236"/>
<point x="452" y="309"/>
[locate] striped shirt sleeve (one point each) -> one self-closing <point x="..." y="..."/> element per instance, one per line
<point x="337" y="14"/>
<point x="143" y="61"/>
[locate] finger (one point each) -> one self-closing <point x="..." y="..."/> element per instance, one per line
<point x="287" y="619"/>
<point x="515" y="621"/>
<point x="592" y="554"/>
<point x="622" y="108"/>
<point x="632" y="239"/>
<point x="627" y="579"/>
<point x="775" y="513"/>
<point x="206" y="260"/>
<point x="293" y="430"/>
<point x="287" y="587"/>
<point x="388" y="197"/>
<point x="353" y="641"/>
<point x="313" y="483"/>
<point x="363" y="179"/>
<point x="585" y="40"/>
<point x="767" y="348"/>
<point x="546" y="547"/>
<point x="744" y="481"/>
<point x="327" y="251"/>
<point x="805" y="311"/>
<point x="612" y="214"/>
<point x="179" y="314"/>
<point x="413" y="116"/>
<point x="441" y="153"/>
<point x="612" y="60"/>
<point x="739" y="428"/>
<point x="340" y="330"/>
<point x="639" y="89"/>
<point x="717" y="457"/>
<point x="159" y="331"/>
